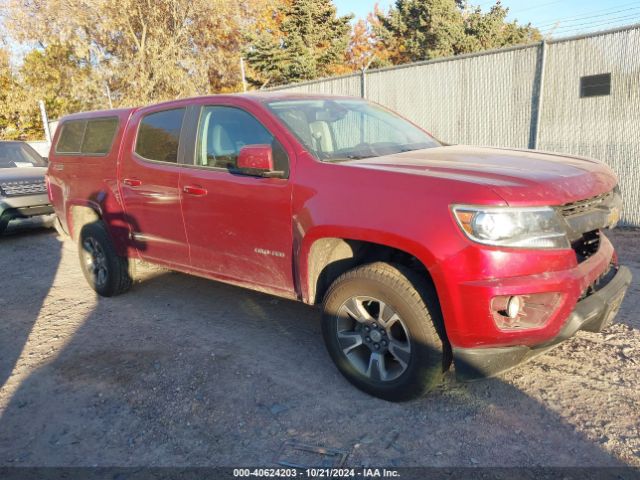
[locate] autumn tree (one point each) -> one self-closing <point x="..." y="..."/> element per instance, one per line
<point x="65" y="83"/>
<point x="9" y="116"/>
<point x="415" y="30"/>
<point x="143" y="50"/>
<point x="307" y="41"/>
<point x="135" y="51"/>
<point x="51" y="75"/>
<point x="366" y="49"/>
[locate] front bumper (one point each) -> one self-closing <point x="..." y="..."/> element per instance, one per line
<point x="592" y="314"/>
<point x="24" y="206"/>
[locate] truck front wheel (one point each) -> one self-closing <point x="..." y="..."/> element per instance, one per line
<point x="379" y="326"/>
<point x="107" y="273"/>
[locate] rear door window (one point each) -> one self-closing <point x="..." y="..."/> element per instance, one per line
<point x="159" y="135"/>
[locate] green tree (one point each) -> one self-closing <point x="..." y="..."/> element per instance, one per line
<point x="491" y="30"/>
<point x="415" y="30"/>
<point x="308" y="41"/>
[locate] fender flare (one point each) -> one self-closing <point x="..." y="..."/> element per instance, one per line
<point x="386" y="239"/>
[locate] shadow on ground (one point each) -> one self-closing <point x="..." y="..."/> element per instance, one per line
<point x="183" y="372"/>
<point x="25" y="282"/>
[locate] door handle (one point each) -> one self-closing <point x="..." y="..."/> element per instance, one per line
<point x="194" y="190"/>
<point x="132" y="182"/>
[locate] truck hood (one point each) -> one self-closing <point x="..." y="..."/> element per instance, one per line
<point x="520" y="177"/>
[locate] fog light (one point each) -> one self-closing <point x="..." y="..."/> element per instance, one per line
<point x="513" y="306"/>
<point x="519" y="312"/>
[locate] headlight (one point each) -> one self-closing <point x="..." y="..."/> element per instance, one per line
<point x="535" y="227"/>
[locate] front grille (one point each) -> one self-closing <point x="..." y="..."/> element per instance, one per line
<point x="586" y="218"/>
<point x="582" y="206"/>
<point x="23" y="187"/>
<point x="587" y="245"/>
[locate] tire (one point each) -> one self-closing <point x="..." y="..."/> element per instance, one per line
<point x="106" y="272"/>
<point x="3" y="225"/>
<point x="376" y="296"/>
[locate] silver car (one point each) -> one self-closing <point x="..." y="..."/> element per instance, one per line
<point x="23" y="192"/>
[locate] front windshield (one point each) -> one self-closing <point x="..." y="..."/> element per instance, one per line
<point x="17" y="154"/>
<point x="347" y="129"/>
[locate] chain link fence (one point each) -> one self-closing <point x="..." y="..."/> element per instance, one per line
<point x="523" y="97"/>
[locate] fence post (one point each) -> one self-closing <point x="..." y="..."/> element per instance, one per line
<point x="242" y="73"/>
<point x="45" y="121"/>
<point x="363" y="83"/>
<point x="536" y="101"/>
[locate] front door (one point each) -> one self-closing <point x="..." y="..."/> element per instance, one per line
<point x="149" y="184"/>
<point x="238" y="226"/>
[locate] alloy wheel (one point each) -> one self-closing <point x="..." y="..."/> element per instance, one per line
<point x="95" y="260"/>
<point x="373" y="338"/>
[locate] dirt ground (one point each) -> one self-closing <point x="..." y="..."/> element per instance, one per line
<point x="183" y="371"/>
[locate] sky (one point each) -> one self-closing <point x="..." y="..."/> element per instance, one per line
<point x="558" y="18"/>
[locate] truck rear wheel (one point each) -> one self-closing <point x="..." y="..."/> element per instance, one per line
<point x="379" y="326"/>
<point x="107" y="273"/>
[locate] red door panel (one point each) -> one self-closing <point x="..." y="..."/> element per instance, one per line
<point x="238" y="226"/>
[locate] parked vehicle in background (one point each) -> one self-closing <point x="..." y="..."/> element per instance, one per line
<point x="23" y="191"/>
<point x="419" y="253"/>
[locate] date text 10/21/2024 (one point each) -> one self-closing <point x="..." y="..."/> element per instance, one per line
<point x="315" y="473"/>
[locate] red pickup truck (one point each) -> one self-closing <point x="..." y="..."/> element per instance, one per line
<point x="420" y="253"/>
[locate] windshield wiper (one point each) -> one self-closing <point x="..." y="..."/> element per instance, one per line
<point x="346" y="158"/>
<point x="415" y="146"/>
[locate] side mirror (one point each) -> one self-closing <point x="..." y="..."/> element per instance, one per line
<point x="256" y="157"/>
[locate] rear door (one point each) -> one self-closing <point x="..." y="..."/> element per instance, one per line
<point x="238" y="226"/>
<point x="149" y="178"/>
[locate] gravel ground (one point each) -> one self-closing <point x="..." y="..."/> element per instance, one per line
<point x="183" y="371"/>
